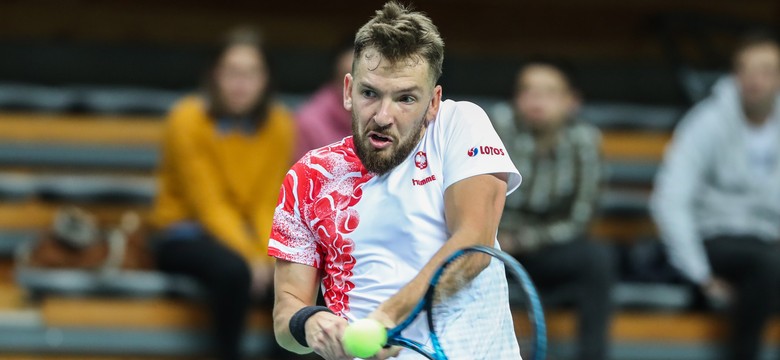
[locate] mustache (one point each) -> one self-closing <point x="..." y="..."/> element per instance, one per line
<point x="382" y="130"/>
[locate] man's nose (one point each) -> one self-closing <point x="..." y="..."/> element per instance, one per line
<point x="384" y="116"/>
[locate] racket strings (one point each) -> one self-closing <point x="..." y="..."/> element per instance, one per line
<point x="470" y="313"/>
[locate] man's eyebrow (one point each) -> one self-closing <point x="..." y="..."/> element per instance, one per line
<point x="411" y="89"/>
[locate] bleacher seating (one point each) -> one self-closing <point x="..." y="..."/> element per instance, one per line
<point x="92" y="311"/>
<point x="83" y="91"/>
<point x="92" y="99"/>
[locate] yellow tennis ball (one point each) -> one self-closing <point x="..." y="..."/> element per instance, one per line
<point x="364" y="338"/>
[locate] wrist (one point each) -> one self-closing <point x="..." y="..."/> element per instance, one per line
<point x="297" y="324"/>
<point x="388" y="313"/>
<point x="383" y="319"/>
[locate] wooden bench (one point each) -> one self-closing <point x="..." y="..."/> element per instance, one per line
<point x="112" y="313"/>
<point x="87" y="129"/>
<point x="39" y="215"/>
<point x="657" y="327"/>
<point x="628" y="326"/>
<point x="634" y="145"/>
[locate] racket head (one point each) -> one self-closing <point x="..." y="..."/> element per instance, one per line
<point x="467" y="310"/>
<point x="532" y="329"/>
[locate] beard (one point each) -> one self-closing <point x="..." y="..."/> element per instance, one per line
<point x="374" y="160"/>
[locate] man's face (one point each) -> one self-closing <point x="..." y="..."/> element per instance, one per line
<point x="241" y="78"/>
<point x="758" y="73"/>
<point x="391" y="105"/>
<point x="544" y="99"/>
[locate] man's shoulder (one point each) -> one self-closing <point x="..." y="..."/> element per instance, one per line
<point x="459" y="114"/>
<point x="331" y="158"/>
<point x="345" y="145"/>
<point x="707" y="118"/>
<point x="458" y="108"/>
<point x="716" y="113"/>
<point x="583" y="133"/>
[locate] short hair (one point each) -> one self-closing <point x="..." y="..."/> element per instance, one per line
<point x="565" y="68"/>
<point x="752" y="39"/>
<point x="398" y="33"/>
<point x="244" y="35"/>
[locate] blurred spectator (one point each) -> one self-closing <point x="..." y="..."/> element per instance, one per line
<point x="717" y="196"/>
<point x="225" y="154"/>
<point x="546" y="220"/>
<point x="323" y="119"/>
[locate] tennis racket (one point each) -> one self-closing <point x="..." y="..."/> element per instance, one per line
<point x="468" y="316"/>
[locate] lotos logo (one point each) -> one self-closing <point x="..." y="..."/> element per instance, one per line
<point x="486" y="150"/>
<point x="420" y="160"/>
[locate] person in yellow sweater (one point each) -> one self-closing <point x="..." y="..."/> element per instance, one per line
<point x="224" y="156"/>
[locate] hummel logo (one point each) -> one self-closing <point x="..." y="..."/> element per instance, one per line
<point x="424" y="181"/>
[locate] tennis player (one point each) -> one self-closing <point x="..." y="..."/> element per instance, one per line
<point x="369" y="218"/>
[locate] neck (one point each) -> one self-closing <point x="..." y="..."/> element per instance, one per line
<point x="758" y="114"/>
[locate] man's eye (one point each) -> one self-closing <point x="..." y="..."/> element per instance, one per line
<point x="408" y="99"/>
<point x="369" y="93"/>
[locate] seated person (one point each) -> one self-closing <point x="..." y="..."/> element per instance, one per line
<point x="717" y="195"/>
<point x="322" y="119"/>
<point x="224" y="156"/>
<point x="545" y="222"/>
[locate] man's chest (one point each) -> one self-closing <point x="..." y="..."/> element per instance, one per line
<point x="405" y="205"/>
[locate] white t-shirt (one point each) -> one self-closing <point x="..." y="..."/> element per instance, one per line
<point x="762" y="148"/>
<point x="370" y="235"/>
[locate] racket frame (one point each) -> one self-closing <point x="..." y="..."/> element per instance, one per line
<point x="535" y="310"/>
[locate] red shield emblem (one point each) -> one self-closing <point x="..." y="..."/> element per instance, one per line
<point x="420" y="160"/>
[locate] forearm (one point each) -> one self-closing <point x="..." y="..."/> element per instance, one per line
<point x="676" y="227"/>
<point x="673" y="210"/>
<point x="295" y="287"/>
<point x="473" y="209"/>
<point x="402" y="303"/>
<point x="283" y="311"/>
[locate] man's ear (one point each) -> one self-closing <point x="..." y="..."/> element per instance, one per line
<point x="348" y="82"/>
<point x="433" y="107"/>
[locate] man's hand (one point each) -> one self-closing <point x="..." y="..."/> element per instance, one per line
<point x="718" y="292"/>
<point x="387" y="353"/>
<point x="323" y="335"/>
<point x="384" y="319"/>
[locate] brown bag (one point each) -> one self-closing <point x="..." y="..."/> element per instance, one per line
<point x="77" y="241"/>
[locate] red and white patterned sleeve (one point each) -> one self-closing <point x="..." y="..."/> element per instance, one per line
<point x="291" y="238"/>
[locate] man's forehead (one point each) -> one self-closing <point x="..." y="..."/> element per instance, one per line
<point x="761" y="52"/>
<point x="542" y="76"/>
<point x="411" y="68"/>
